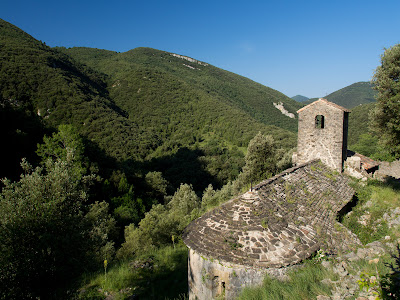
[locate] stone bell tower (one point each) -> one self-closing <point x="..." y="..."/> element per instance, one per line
<point x="322" y="134"/>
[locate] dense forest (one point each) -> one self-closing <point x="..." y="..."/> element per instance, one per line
<point x="351" y="96"/>
<point x="99" y="140"/>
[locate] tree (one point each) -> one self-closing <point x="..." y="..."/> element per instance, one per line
<point x="63" y="143"/>
<point x="161" y="223"/>
<point x="261" y="158"/>
<point x="183" y="207"/>
<point x="157" y="184"/>
<point x="48" y="235"/>
<point x="385" y="118"/>
<point x="60" y="144"/>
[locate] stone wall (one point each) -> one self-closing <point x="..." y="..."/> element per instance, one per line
<point x="210" y="278"/>
<point x="327" y="142"/>
<point x="389" y="169"/>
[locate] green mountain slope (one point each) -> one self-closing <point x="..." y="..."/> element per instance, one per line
<point x="41" y="81"/>
<point x="300" y="98"/>
<point x="359" y="122"/>
<point x="138" y="65"/>
<point x="143" y="109"/>
<point x="351" y="96"/>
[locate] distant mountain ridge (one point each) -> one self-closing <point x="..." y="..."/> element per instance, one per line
<point x="300" y="98"/>
<point x="351" y="96"/>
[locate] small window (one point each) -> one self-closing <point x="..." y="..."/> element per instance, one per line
<point x="320" y="122"/>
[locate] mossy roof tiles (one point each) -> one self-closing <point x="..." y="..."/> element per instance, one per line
<point x="281" y="222"/>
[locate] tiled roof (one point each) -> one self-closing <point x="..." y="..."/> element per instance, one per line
<point x="366" y="162"/>
<point x="279" y="223"/>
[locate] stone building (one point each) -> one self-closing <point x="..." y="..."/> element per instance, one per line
<point x="283" y="220"/>
<point x="322" y="134"/>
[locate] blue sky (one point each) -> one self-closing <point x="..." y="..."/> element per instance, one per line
<point x="311" y="48"/>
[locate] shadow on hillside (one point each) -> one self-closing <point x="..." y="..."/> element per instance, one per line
<point x="167" y="282"/>
<point x="184" y="167"/>
<point x="393" y="182"/>
<point x="347" y="208"/>
<point x="21" y="131"/>
<point x="390" y="283"/>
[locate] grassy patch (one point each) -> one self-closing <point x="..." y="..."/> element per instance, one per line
<point x="303" y="283"/>
<point x="158" y="274"/>
<point x="375" y="199"/>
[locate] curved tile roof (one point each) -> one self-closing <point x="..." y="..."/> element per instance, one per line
<point x="279" y="223"/>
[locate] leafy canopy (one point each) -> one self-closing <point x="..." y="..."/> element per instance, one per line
<point x="49" y="235"/>
<point x="385" y="118"/>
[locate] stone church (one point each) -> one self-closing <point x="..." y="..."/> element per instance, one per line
<point x="282" y="220"/>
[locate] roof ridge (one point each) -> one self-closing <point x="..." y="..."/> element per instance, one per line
<point x="326" y="102"/>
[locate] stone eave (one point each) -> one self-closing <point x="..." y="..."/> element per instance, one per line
<point x="322" y="100"/>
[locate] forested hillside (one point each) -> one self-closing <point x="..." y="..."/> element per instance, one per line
<point x="145" y="71"/>
<point x="116" y="139"/>
<point x="352" y="95"/>
<point x="140" y="106"/>
<point x="300" y="98"/>
<point x="47" y="88"/>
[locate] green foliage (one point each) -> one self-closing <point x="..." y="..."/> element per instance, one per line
<point x="358" y="118"/>
<point x="366" y="145"/>
<point x="58" y="146"/>
<point x="363" y="140"/>
<point x="183" y="206"/>
<point x="157" y="184"/>
<point x="161" y="223"/>
<point x="370" y="283"/>
<point x="142" y="68"/>
<point x="353" y="95"/>
<point x="300" y="98"/>
<point x="47" y="234"/>
<point x="390" y="282"/>
<point x="158" y="274"/>
<point x="137" y="110"/>
<point x="262" y="159"/>
<point x="212" y="198"/>
<point x="154" y="230"/>
<point x="359" y="93"/>
<point x="63" y="143"/>
<point x="127" y="208"/>
<point x="385" y="117"/>
<point x="101" y="232"/>
<point x="369" y="145"/>
<point x="304" y="283"/>
<point x="380" y="198"/>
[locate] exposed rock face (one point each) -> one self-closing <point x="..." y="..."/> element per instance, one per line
<point x="322" y="134"/>
<point x="284" y="110"/>
<point x="284" y="220"/>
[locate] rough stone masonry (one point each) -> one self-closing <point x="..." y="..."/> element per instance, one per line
<point x="282" y="221"/>
<point x="322" y="134"/>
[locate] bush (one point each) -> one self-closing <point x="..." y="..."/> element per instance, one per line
<point x="47" y="234"/>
